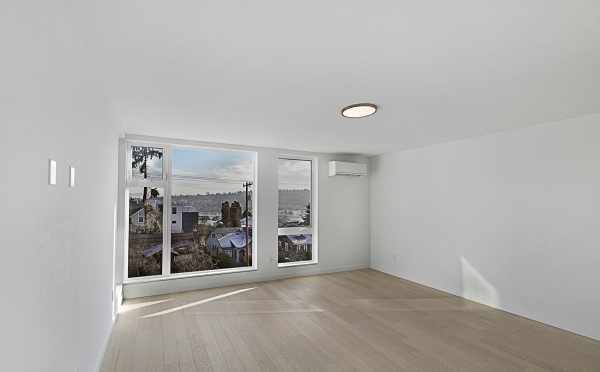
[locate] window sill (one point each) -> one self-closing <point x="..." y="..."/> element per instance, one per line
<point x="297" y="263"/>
<point x="158" y="278"/>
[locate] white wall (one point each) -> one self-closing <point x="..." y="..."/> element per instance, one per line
<point x="343" y="229"/>
<point x="56" y="242"/>
<point x="510" y="219"/>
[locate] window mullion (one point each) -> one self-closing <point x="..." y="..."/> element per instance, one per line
<point x="167" y="173"/>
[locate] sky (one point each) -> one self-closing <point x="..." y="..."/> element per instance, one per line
<point x="294" y="174"/>
<point x="155" y="166"/>
<point x="212" y="170"/>
<point x="208" y="163"/>
<point x="201" y="171"/>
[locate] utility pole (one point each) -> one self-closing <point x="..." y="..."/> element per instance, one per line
<point x="246" y="185"/>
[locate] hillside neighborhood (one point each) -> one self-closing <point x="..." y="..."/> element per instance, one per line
<point x="208" y="232"/>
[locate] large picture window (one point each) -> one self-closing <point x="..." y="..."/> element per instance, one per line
<point x="190" y="210"/>
<point x="295" y="212"/>
<point x="211" y="199"/>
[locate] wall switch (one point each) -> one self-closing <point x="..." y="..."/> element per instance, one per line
<point x="52" y="172"/>
<point x="71" y="177"/>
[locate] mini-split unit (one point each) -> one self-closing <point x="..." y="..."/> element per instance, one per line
<point x="344" y="168"/>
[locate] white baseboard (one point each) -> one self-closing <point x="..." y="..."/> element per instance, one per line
<point x="145" y="289"/>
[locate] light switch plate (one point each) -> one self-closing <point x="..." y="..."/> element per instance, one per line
<point x="71" y="176"/>
<point x="52" y="172"/>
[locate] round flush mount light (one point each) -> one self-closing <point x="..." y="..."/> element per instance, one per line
<point x="359" y="110"/>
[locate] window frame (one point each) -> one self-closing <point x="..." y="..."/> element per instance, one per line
<point x="314" y="211"/>
<point x="165" y="183"/>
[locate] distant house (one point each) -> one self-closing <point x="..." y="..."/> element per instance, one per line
<point x="229" y="241"/>
<point x="183" y="219"/>
<point x="137" y="217"/>
<point x="299" y="243"/>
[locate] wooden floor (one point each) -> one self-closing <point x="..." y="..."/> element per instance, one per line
<point x="354" y="321"/>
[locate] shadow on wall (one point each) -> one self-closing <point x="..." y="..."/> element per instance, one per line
<point x="476" y="288"/>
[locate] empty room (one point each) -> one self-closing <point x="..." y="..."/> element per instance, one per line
<point x="228" y="185"/>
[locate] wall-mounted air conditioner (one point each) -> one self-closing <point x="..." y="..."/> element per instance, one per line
<point x="344" y="168"/>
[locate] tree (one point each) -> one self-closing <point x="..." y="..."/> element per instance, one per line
<point x="306" y="216"/>
<point x="139" y="158"/>
<point x="223" y="261"/>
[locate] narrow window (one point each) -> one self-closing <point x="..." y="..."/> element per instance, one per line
<point x="295" y="213"/>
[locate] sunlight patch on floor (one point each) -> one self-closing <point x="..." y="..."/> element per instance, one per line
<point x="140" y="305"/>
<point x="192" y="304"/>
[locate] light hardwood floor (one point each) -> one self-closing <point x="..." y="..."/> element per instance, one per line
<point x="353" y="321"/>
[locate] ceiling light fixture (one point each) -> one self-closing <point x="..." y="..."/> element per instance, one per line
<point x="359" y="110"/>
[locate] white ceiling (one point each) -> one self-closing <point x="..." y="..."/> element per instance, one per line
<point x="276" y="73"/>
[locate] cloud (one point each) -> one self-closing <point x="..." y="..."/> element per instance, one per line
<point x="213" y="164"/>
<point x="294" y="174"/>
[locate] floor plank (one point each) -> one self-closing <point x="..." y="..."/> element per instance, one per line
<point x="360" y="320"/>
